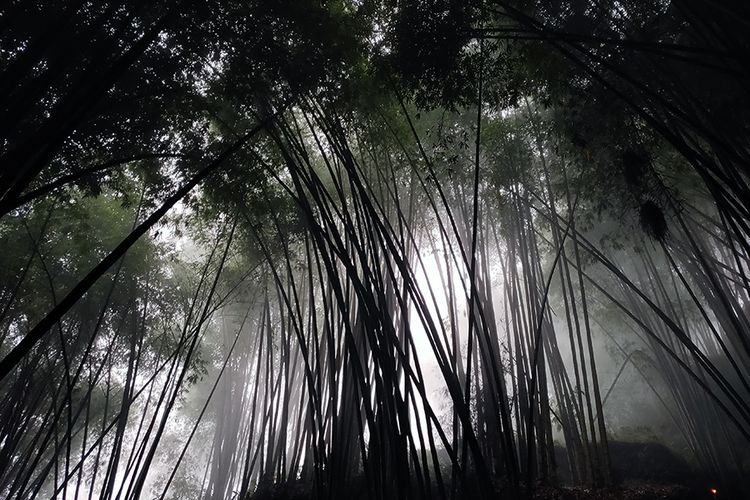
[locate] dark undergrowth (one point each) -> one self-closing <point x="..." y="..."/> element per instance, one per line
<point x="641" y="471"/>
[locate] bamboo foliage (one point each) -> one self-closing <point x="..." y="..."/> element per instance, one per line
<point x="323" y="385"/>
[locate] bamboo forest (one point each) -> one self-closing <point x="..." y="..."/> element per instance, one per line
<point x="374" y="249"/>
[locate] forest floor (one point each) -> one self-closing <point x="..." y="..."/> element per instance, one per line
<point x="643" y="491"/>
<point x="629" y="491"/>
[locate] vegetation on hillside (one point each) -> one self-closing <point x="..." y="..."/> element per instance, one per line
<point x="374" y="249"/>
